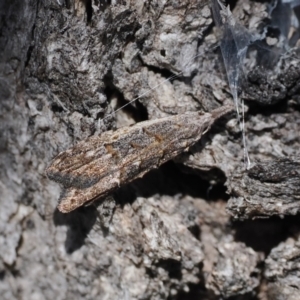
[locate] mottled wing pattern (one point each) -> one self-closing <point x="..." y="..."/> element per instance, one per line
<point x="99" y="165"/>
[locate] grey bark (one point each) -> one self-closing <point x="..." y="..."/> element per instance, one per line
<point x="64" y="67"/>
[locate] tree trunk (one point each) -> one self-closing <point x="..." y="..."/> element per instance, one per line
<point x="190" y="229"/>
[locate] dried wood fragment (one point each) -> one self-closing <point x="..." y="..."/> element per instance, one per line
<point x="268" y="188"/>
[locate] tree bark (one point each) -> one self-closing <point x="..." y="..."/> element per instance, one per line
<point x="191" y="229"/>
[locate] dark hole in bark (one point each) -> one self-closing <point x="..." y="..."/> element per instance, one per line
<point x="68" y="4"/>
<point x="136" y="110"/>
<point x="2" y="275"/>
<point x="265" y="234"/>
<point x="56" y="108"/>
<point x="89" y="10"/>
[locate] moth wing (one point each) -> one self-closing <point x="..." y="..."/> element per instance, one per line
<point x="85" y="163"/>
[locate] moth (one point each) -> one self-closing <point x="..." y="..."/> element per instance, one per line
<point x="98" y="165"/>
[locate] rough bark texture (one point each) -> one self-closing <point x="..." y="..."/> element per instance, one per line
<point x="65" y="65"/>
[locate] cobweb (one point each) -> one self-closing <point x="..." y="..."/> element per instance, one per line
<point x="234" y="43"/>
<point x="235" y="40"/>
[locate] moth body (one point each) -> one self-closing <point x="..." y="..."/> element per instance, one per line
<point x="98" y="165"/>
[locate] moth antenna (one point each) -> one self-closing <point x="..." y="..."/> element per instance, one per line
<point x="158" y="85"/>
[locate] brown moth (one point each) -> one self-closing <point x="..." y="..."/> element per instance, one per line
<point x="100" y="164"/>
